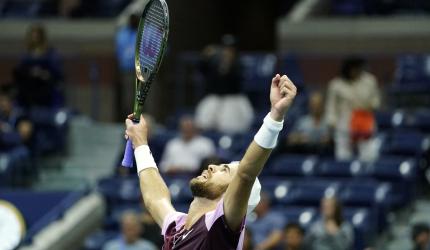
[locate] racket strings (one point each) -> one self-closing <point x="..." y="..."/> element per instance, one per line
<point x="152" y="38"/>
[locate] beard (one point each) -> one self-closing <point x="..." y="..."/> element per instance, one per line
<point x="206" y="189"/>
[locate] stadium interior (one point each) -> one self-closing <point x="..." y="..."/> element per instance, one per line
<point x="60" y="159"/>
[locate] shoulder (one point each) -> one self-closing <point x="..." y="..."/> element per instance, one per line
<point x="176" y="219"/>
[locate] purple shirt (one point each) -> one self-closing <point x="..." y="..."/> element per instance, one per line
<point x="209" y="232"/>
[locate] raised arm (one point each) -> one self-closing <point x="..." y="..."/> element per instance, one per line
<point x="282" y="93"/>
<point x="155" y="193"/>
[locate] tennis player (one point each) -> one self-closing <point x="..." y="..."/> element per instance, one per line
<point x="216" y="217"/>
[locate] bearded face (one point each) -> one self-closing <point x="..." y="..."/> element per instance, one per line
<point x="213" y="182"/>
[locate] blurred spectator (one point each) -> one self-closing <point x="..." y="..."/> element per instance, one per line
<point x="331" y="232"/>
<point x="266" y="225"/>
<point x="152" y="231"/>
<point x="352" y="98"/>
<point x="421" y="236"/>
<point x="185" y="153"/>
<point x="294" y="235"/>
<point x="310" y="133"/>
<point x="225" y="105"/>
<point x="130" y="235"/>
<point x="248" y="244"/>
<point x="15" y="128"/>
<point x="38" y="75"/>
<point x="125" y="47"/>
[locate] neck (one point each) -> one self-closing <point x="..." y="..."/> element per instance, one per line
<point x="199" y="206"/>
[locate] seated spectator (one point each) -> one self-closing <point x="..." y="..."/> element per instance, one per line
<point x="266" y="225"/>
<point x="421" y="236"/>
<point x="184" y="153"/>
<point x="225" y="104"/>
<point x="310" y="133"/>
<point x="130" y="235"/>
<point x="294" y="235"/>
<point x="39" y="73"/>
<point x="331" y="232"/>
<point x="15" y="128"/>
<point x="352" y="97"/>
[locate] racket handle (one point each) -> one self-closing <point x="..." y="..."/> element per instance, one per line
<point x="127" y="161"/>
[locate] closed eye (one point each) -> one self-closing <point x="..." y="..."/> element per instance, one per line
<point x="226" y="168"/>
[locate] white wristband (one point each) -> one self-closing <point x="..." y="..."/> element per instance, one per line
<point x="267" y="136"/>
<point x="144" y="158"/>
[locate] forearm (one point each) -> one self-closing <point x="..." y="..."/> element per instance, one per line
<point x="154" y="191"/>
<point x="253" y="161"/>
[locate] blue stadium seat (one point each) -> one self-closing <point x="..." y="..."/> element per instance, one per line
<point x="412" y="71"/>
<point x="333" y="168"/>
<point x="348" y="7"/>
<point x="278" y="189"/>
<point x="365" y="225"/>
<point x="311" y="192"/>
<point x="293" y="165"/>
<point x="120" y="190"/>
<point x="421" y="120"/>
<point x="366" y="193"/>
<point x="405" y="142"/>
<point x="113" y="220"/>
<point x="258" y="70"/>
<point x="21" y="8"/>
<point x="394" y="168"/>
<point x="305" y="216"/>
<point x="389" y="119"/>
<point x="158" y="142"/>
<point x="179" y="190"/>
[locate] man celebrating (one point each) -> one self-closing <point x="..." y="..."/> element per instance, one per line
<point x="216" y="216"/>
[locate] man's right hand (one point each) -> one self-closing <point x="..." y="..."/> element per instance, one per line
<point x="137" y="133"/>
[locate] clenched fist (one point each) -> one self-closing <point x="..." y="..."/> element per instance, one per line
<point x="136" y="132"/>
<point x="282" y="93"/>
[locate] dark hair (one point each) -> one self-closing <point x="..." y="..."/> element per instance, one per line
<point x="349" y="64"/>
<point x="292" y="226"/>
<point x="338" y="212"/>
<point x="418" y="229"/>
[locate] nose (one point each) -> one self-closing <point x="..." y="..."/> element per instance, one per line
<point x="211" y="168"/>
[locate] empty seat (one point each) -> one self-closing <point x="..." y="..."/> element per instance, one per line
<point x="302" y="215"/>
<point x="394" y="168"/>
<point x="293" y="165"/>
<point x="120" y="190"/>
<point x="333" y="168"/>
<point x="179" y="190"/>
<point x="311" y="192"/>
<point x="405" y="142"/>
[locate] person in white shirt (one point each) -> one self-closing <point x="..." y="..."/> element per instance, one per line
<point x="354" y="90"/>
<point x="185" y="152"/>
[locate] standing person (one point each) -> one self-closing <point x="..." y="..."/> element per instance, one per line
<point x="225" y="102"/>
<point x="39" y="73"/>
<point x="331" y="232"/>
<point x="421" y="236"/>
<point x="125" y="42"/>
<point x="130" y="235"/>
<point x="351" y="100"/>
<point x="222" y="193"/>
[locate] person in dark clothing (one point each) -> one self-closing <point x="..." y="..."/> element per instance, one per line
<point x="293" y="237"/>
<point x="421" y="236"/>
<point x="39" y="73"/>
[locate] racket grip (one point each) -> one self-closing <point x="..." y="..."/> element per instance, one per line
<point x="127" y="161"/>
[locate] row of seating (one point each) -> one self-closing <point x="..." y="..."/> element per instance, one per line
<point x="387" y="168"/>
<point x="36" y="8"/>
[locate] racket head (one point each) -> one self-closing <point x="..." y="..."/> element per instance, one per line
<point x="151" y="39"/>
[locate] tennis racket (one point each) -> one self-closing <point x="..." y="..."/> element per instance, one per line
<point x="151" y="43"/>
